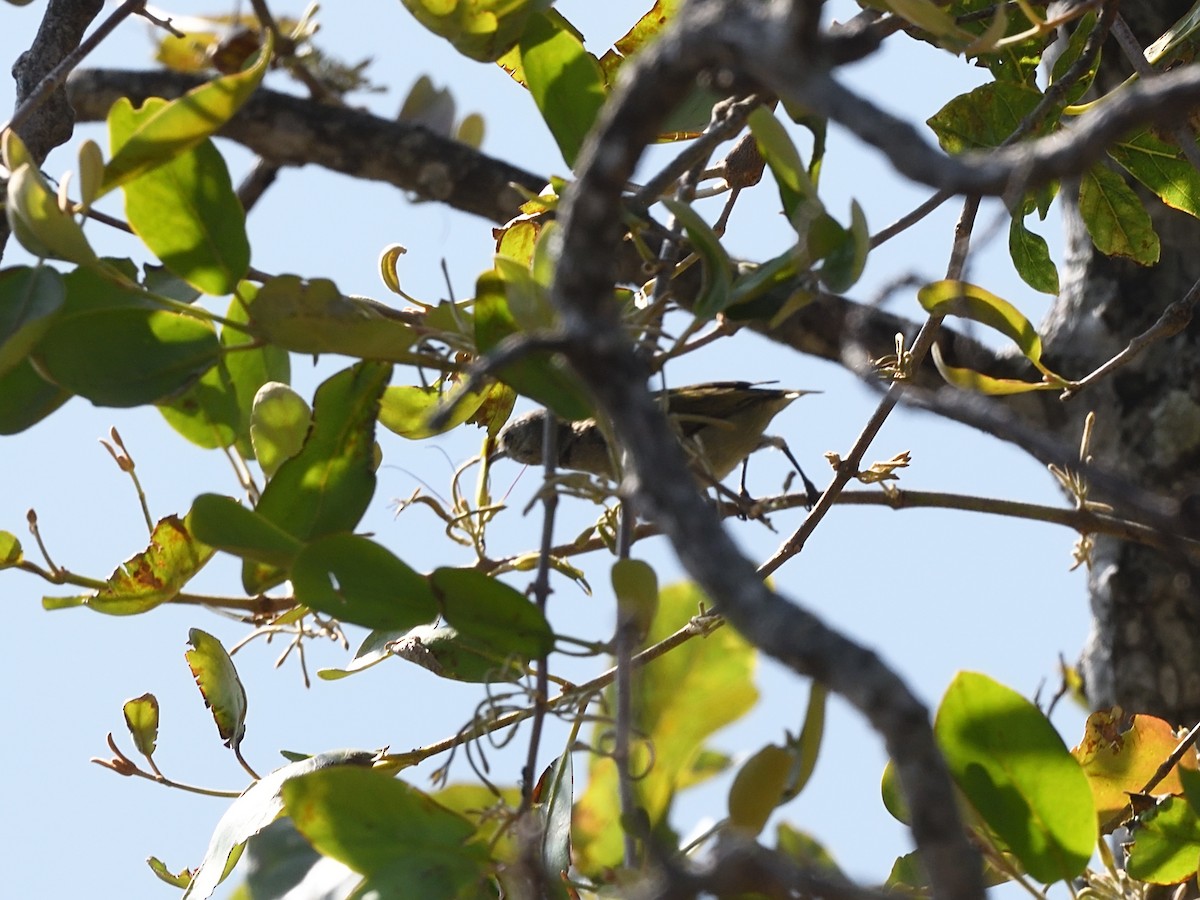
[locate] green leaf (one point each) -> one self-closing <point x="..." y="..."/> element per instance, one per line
<point x="185" y="210"/>
<point x="1162" y="168"/>
<point x="375" y="648"/>
<point x="807" y="747"/>
<point x="635" y="584"/>
<point x="1166" y="843"/>
<point x="680" y="699"/>
<point x="716" y="286"/>
<point x="1115" y="217"/>
<point x="775" y="145"/>
<point x="984" y="117"/>
<point x="254" y="810"/>
<point x="315" y="317"/>
<point x="406" y="844"/>
<point x="958" y="298"/>
<point x="406" y="409"/>
<point x="491" y="614"/>
<point x="10" y="550"/>
<point x="225" y="524"/>
<point x="540" y="376"/>
<point x="250" y="367"/>
<point x="155" y="575"/>
<point x="1031" y="257"/>
<point x="1012" y="766"/>
<point x="565" y="80"/>
<point x="970" y="380"/>
<point x="326" y="487"/>
<point x="219" y="685"/>
<point x="758" y="788"/>
<point x="482" y="30"/>
<point x="279" y="422"/>
<point x="1082" y="30"/>
<point x="356" y="580"/>
<point x="448" y="654"/>
<point x="180" y="879"/>
<point x="26" y="398"/>
<point x="843" y="251"/>
<point x="43" y="227"/>
<point x="174" y="128"/>
<point x="805" y="850"/>
<point x="111" y="344"/>
<point x="553" y="797"/>
<point x="141" y="718"/>
<point x="29" y="300"/>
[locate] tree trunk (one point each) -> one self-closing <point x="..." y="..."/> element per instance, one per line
<point x="1143" y="652"/>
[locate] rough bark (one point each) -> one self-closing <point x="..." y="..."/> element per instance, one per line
<point x="1143" y="652"/>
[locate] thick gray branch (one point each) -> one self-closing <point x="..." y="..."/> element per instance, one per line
<point x="62" y="28"/>
<point x="600" y="351"/>
<point x="296" y="131"/>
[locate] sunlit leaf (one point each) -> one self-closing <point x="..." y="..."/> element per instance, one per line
<point x="326" y="487"/>
<point x="40" y="224"/>
<point x="680" y="699"/>
<point x="984" y="117"/>
<point x="483" y="30"/>
<point x="279" y="422"/>
<point x="407" y="409"/>
<point x="1119" y="761"/>
<point x="399" y="837"/>
<point x="141" y="718"/>
<point x="716" y="284"/>
<point x="1166" y="843"/>
<point x="10" y="550"/>
<point x="1162" y="168"/>
<point x="564" y="79"/>
<point x="373" y="650"/>
<point x="1012" y="766"/>
<point x="219" y="684"/>
<point x="185" y="209"/>
<point x="758" y="788"/>
<point x="540" y="376"/>
<point x="255" y="810"/>
<point x="795" y="185"/>
<point x="177" y="126"/>
<point x="970" y="380"/>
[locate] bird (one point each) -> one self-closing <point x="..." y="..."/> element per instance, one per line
<point x="719" y="423"/>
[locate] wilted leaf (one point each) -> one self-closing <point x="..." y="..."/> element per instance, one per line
<point x="141" y="718"/>
<point x="155" y="575"/>
<point x="219" y="684"/>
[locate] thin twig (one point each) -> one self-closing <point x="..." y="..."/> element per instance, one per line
<point x="1173" y="320"/>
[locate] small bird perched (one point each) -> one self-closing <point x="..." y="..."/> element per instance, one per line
<point x="719" y="423"/>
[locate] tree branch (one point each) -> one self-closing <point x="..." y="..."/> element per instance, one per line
<point x="655" y="81"/>
<point x="296" y="131"/>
